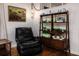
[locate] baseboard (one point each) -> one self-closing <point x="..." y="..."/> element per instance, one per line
<point x="75" y="53"/>
<point x="14" y="45"/>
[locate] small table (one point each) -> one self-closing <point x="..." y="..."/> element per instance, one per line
<point x="7" y="44"/>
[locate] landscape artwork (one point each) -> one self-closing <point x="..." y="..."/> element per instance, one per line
<point x="16" y="14"/>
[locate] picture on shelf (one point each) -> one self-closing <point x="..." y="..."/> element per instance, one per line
<point x="60" y="18"/>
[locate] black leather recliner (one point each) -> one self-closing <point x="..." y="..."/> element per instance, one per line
<point x="27" y="44"/>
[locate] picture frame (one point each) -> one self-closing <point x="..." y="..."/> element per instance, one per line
<point x="60" y="18"/>
<point x="16" y="14"/>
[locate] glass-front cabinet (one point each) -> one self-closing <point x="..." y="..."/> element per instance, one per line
<point x="54" y="29"/>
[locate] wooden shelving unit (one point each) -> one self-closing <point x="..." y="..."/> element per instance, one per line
<point x="54" y="30"/>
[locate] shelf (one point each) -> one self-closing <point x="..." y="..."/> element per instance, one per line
<point x="46" y="35"/>
<point x="59" y="39"/>
<point x="46" y="31"/>
<point x="43" y="30"/>
<point x="55" y="13"/>
<point x="60" y="22"/>
<point x="46" y="22"/>
<point x="57" y="31"/>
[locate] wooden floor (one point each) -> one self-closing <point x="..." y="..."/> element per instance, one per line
<point x="45" y="52"/>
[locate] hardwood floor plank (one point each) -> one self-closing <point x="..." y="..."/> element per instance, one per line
<point x="45" y="52"/>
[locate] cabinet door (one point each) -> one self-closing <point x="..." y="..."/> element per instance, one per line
<point x="46" y="42"/>
<point x="57" y="44"/>
<point x="59" y="30"/>
<point x="46" y="26"/>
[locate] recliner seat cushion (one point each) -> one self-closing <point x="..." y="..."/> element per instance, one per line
<point x="23" y="40"/>
<point x="31" y="51"/>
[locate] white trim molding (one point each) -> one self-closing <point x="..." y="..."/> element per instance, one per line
<point x="75" y="52"/>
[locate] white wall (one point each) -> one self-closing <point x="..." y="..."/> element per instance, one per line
<point x="12" y="25"/>
<point x="73" y="24"/>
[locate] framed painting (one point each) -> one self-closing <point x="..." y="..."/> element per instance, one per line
<point x="16" y="14"/>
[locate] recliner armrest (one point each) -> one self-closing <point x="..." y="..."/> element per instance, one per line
<point x="37" y="38"/>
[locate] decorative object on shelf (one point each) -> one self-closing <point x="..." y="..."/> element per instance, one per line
<point x="64" y="10"/>
<point x="50" y="11"/>
<point x="60" y="18"/>
<point x="45" y="7"/>
<point x="50" y="5"/>
<point x="59" y="34"/>
<point x="59" y="10"/>
<point x="17" y="14"/>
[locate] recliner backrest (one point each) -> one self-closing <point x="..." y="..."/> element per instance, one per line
<point x="24" y="34"/>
